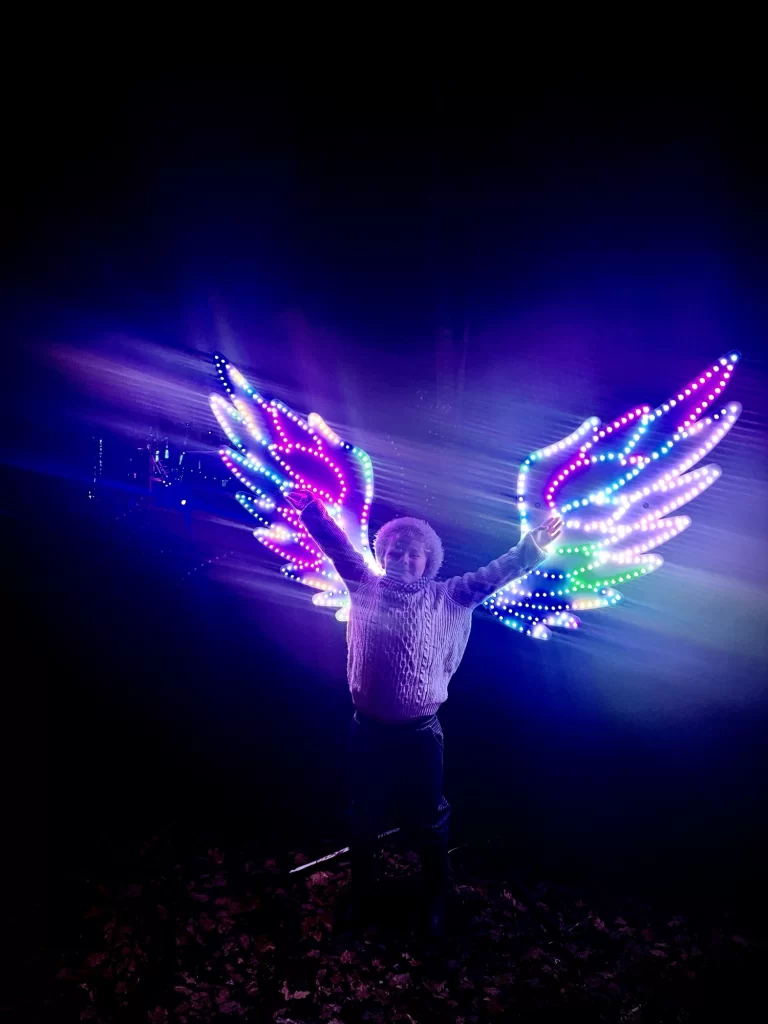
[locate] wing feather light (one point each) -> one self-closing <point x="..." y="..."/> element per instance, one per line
<point x="645" y="465"/>
<point x="273" y="450"/>
<point x="619" y="487"/>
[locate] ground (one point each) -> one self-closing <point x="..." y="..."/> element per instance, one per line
<point x="169" y="937"/>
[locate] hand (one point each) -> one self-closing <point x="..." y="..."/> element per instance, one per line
<point x="549" y="531"/>
<point x="299" y="498"/>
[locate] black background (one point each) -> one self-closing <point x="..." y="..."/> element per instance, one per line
<point x="381" y="205"/>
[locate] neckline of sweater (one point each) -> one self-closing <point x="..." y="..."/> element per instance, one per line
<point x="419" y="584"/>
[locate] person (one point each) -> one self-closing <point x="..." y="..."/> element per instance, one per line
<point x="406" y="635"/>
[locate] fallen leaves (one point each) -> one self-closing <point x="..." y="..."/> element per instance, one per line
<point x="229" y="936"/>
<point x="287" y="994"/>
<point x="399" y="980"/>
<point x="319" y="878"/>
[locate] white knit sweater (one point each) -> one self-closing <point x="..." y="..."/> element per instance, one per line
<point x="406" y="640"/>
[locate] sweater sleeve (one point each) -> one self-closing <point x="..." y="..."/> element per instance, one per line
<point x="334" y="544"/>
<point x="474" y="587"/>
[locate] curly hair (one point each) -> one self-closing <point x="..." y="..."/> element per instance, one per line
<point x="409" y="527"/>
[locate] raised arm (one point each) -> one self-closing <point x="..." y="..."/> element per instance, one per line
<point x="474" y="587"/>
<point x="329" y="537"/>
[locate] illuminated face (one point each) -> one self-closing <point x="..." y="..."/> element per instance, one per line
<point x="405" y="558"/>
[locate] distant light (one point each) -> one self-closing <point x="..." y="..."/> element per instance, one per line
<point x="183" y="501"/>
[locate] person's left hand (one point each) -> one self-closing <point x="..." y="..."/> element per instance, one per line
<point x="549" y="531"/>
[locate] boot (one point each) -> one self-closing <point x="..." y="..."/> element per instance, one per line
<point x="358" y="909"/>
<point x="436" y="867"/>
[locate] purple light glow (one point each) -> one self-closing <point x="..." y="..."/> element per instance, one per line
<point x="598" y="551"/>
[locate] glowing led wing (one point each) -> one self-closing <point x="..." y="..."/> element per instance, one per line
<point x="273" y="450"/>
<point x="619" y="487"/>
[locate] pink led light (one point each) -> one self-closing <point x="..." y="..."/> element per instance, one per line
<point x="295" y="452"/>
<point x="625" y="534"/>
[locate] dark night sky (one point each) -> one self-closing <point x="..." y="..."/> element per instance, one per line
<point x="376" y="202"/>
<point x="330" y="224"/>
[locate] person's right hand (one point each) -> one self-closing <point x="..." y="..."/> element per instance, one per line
<point x="299" y="498"/>
<point x="549" y="530"/>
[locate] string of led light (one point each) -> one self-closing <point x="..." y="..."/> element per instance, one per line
<point x="615" y="551"/>
<point x="619" y="554"/>
<point x="316" y="428"/>
<point x="248" y="414"/>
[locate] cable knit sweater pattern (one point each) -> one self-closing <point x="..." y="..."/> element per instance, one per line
<point x="406" y="640"/>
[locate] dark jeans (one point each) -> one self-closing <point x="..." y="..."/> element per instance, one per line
<point x="396" y="781"/>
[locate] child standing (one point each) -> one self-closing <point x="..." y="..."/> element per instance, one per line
<point x="406" y="635"/>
